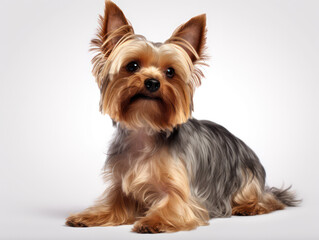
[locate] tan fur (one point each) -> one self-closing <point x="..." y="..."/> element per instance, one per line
<point x="253" y="199"/>
<point x="161" y="183"/>
<point x="147" y="185"/>
<point x="174" y="96"/>
<point x="191" y="36"/>
<point x="116" y="209"/>
<point x="117" y="45"/>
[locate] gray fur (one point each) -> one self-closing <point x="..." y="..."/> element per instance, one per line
<point x="217" y="162"/>
<point x="215" y="158"/>
<point x="285" y="196"/>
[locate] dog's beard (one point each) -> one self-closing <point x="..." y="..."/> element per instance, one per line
<point x="142" y="110"/>
<point x="127" y="102"/>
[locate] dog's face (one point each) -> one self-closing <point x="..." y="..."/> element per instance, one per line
<point x="144" y="84"/>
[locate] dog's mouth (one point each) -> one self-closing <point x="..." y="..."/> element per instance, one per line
<point x="145" y="97"/>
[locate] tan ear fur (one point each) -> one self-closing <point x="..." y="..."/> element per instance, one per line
<point x="113" y="26"/>
<point x="113" y="29"/>
<point x="191" y="36"/>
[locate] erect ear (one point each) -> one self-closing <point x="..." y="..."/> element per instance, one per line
<point x="191" y="36"/>
<point x="113" y="26"/>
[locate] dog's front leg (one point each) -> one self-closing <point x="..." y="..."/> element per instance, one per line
<point x="163" y="187"/>
<point x="113" y="209"/>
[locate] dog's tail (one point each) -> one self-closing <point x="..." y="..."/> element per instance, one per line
<point x="285" y="195"/>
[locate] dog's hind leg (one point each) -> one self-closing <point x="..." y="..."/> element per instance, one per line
<point x="253" y="199"/>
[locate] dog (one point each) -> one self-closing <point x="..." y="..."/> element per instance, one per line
<point x="165" y="170"/>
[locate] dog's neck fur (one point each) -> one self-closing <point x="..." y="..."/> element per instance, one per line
<point x="143" y="140"/>
<point x="145" y="134"/>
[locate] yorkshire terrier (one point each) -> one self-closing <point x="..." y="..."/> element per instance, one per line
<point x="165" y="170"/>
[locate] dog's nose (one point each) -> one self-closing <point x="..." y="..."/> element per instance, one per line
<point x="152" y="85"/>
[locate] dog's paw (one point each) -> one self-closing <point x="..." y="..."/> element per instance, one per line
<point x="149" y="227"/>
<point x="75" y="221"/>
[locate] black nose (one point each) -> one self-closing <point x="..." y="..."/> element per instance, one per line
<point x="152" y="85"/>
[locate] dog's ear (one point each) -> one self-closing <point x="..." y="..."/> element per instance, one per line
<point x="191" y="36"/>
<point x="113" y="27"/>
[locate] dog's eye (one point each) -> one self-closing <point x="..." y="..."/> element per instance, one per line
<point x="132" y="67"/>
<point x="170" y="72"/>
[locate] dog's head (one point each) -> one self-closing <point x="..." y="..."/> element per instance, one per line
<point x="145" y="84"/>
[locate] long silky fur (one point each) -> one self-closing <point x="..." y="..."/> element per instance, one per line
<point x="218" y="165"/>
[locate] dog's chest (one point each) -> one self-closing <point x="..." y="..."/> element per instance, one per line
<point x="146" y="166"/>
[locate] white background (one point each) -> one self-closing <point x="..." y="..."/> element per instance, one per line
<point x="262" y="84"/>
